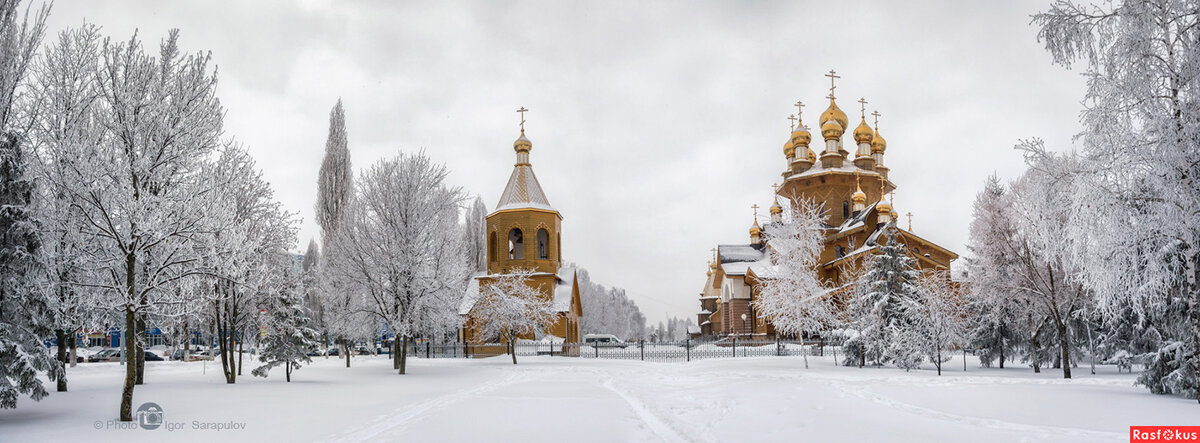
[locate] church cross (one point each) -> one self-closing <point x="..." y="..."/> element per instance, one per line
<point x="775" y="187"/>
<point x="832" y="77"/>
<point x="522" y="111"/>
<point x="876" y="114"/>
<point x="755" y="206"/>
<point x="793" y="119"/>
<point x="714" y="251"/>
<point x="863" y="101"/>
<point x="799" y="110"/>
<point x="909" y="221"/>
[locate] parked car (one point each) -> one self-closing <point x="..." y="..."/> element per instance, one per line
<point x="333" y="351"/>
<point x="153" y="356"/>
<point x="604" y="341"/>
<point x="106" y="355"/>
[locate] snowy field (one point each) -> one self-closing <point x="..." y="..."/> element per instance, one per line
<point x="551" y="398"/>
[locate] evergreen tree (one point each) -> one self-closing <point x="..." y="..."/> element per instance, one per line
<point x="24" y="308"/>
<point x="883" y="311"/>
<point x="290" y="336"/>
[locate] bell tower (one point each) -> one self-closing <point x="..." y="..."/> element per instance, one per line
<point x="523" y="231"/>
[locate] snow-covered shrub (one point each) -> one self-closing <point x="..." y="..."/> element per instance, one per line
<point x="1167" y="371"/>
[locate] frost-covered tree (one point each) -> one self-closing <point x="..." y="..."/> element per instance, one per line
<point x="607" y="310"/>
<point x="792" y="295"/>
<point x="254" y="230"/>
<point x="510" y="307"/>
<point x="335" y="189"/>
<point x="1135" y="221"/>
<point x="290" y="336"/>
<point x="883" y="310"/>
<point x="474" y="236"/>
<point x="310" y="280"/>
<point x="25" y="316"/>
<point x="940" y="317"/>
<point x="400" y="248"/>
<point x="140" y="192"/>
<point x="1044" y="278"/>
<point x="994" y="330"/>
<point x="65" y="100"/>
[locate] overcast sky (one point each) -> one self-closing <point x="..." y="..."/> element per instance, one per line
<point x="655" y="125"/>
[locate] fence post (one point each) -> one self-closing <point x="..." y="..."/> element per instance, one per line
<point x="688" y="346"/>
<point x="778" y="347"/>
<point x="596" y="347"/>
<point x="642" y="348"/>
<point x="426" y="349"/>
<point x="735" y="346"/>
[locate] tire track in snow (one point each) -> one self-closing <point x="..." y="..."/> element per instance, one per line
<point x="402" y="417"/>
<point x="1048" y="431"/>
<point x="660" y="428"/>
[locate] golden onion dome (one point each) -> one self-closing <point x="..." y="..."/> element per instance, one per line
<point x="859" y="196"/>
<point x="832" y="130"/>
<point x="789" y="150"/>
<point x="755" y="230"/>
<point x="522" y="144"/>
<point x="776" y="209"/>
<point x="834" y="113"/>
<point x="801" y="137"/>
<point x="884" y="208"/>
<point x="812" y="156"/>
<point x="863" y="133"/>
<point x="878" y="144"/>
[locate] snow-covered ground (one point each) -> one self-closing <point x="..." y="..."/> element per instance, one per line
<point x="552" y="398"/>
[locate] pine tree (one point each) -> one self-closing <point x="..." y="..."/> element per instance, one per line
<point x="884" y="310"/>
<point x="993" y="332"/>
<point x="24" y="309"/>
<point x="290" y="336"/>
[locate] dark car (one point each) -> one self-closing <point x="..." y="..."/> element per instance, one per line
<point x="153" y="356"/>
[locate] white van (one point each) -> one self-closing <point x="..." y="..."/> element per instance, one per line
<point x="603" y="341"/>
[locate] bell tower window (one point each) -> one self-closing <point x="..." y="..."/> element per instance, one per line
<point x="543" y="244"/>
<point x="516" y="245"/>
<point x="845" y="209"/>
<point x="492" y="252"/>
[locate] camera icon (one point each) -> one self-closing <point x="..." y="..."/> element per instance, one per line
<point x="149" y="416"/>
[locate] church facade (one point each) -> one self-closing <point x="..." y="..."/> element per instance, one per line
<point x="523" y="232"/>
<point x="854" y="189"/>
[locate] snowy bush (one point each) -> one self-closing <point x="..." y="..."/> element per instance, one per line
<point x="1167" y="372"/>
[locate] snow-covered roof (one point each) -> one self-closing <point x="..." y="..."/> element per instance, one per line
<point x="847" y="166"/>
<point x="523" y="191"/>
<point x="740" y="253"/>
<point x="706" y="322"/>
<point x="856" y="220"/>
<point x="563" y="290"/>
<point x="471" y="295"/>
<point x="710" y="297"/>
<point x="705" y="312"/>
<point x="693" y="329"/>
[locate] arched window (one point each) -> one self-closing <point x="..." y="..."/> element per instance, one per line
<point x="543" y="239"/>
<point x="516" y="245"/>
<point x="492" y="252"/>
<point x="845" y="209"/>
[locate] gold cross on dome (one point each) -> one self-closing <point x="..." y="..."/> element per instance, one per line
<point x="863" y="102"/>
<point x="714" y="251"/>
<point x="522" y="111"/>
<point x="775" y="187"/>
<point x="832" y="77"/>
<point x="876" y="114"/>
<point x="755" y="206"/>
<point x="799" y="110"/>
<point x="909" y="221"/>
<point x="793" y="119"/>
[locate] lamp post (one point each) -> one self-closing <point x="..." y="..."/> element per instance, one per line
<point x="744" y="328"/>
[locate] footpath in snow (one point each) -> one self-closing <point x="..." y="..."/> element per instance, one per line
<point x="552" y="398"/>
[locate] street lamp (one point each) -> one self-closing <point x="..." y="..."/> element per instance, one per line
<point x="744" y="328"/>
